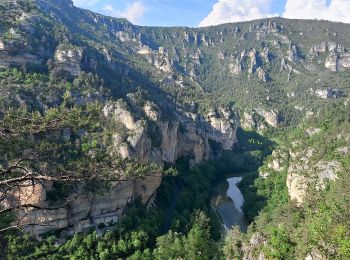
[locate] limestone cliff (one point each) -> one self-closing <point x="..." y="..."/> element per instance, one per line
<point x="187" y="134"/>
<point x="87" y="210"/>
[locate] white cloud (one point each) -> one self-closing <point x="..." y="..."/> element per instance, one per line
<point x="85" y="3"/>
<point x="226" y="11"/>
<point x="108" y="8"/>
<point x="337" y="10"/>
<point x="134" y="12"/>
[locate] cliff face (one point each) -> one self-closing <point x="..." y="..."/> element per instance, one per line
<point x="187" y="135"/>
<point x="86" y="210"/>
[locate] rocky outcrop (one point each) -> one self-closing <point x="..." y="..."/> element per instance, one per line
<point x="261" y="74"/>
<point x="328" y="93"/>
<point x="292" y="54"/>
<point x="272" y="117"/>
<point x="28" y="193"/>
<point x="265" y="55"/>
<point x="145" y="50"/>
<point x="297" y="187"/>
<point x="344" y="61"/>
<point x="158" y="58"/>
<point x="188" y="135"/>
<point x="312" y="131"/>
<point x="162" y="61"/>
<point x="297" y="182"/>
<point x="123" y="36"/>
<point x="343" y="150"/>
<point x="21" y="58"/>
<point x="259" y="119"/>
<point x="332" y="62"/>
<point x="318" y="49"/>
<point x="284" y="65"/>
<point x="150" y="110"/>
<point x="236" y="67"/>
<point x="250" y="249"/>
<point x="88" y="209"/>
<point x="221" y="56"/>
<point x="323" y="47"/>
<point x="252" y="54"/>
<point x="338" y="59"/>
<point x="68" y="59"/>
<point x="247" y="121"/>
<point x="278" y="160"/>
<point x="222" y="129"/>
<point x="254" y="59"/>
<point x="131" y="140"/>
<point x="315" y="255"/>
<point x="347" y="102"/>
<point x="304" y="173"/>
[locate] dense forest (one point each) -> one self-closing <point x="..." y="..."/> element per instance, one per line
<point x="114" y="137"/>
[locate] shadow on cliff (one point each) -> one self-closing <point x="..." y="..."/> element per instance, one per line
<point x="252" y="149"/>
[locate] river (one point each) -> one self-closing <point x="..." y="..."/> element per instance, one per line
<point x="228" y="201"/>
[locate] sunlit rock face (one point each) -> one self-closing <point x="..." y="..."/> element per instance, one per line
<point x="259" y="119"/>
<point x="68" y="59"/>
<point x="304" y="174"/>
<point x="87" y="210"/>
<point x="187" y="135"/>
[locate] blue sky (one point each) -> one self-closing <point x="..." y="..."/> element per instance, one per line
<point x="210" y="12"/>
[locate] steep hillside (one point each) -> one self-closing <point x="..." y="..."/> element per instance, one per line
<point x="94" y="111"/>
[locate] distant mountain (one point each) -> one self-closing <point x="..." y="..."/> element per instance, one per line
<point x="271" y="64"/>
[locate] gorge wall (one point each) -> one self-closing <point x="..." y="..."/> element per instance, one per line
<point x="188" y="135"/>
